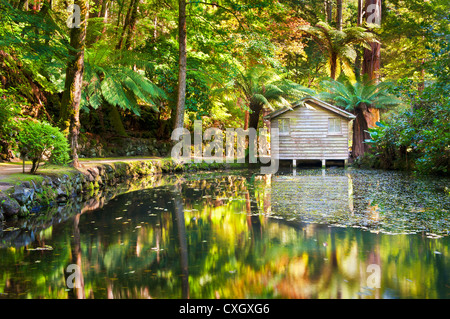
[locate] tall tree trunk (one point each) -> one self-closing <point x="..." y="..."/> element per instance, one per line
<point x="359" y="132"/>
<point x="339" y="15"/>
<point x="329" y="11"/>
<point x="181" y="96"/>
<point x="126" y="24"/>
<point x="359" y="16"/>
<point x="132" y="25"/>
<point x="246" y="119"/>
<point x="70" y="102"/>
<point x="371" y="61"/>
<point x="357" y="66"/>
<point x="104" y="14"/>
<point x="119" y="14"/>
<point x="254" y="115"/>
<point x="421" y="85"/>
<point x="333" y="65"/>
<point x="116" y="121"/>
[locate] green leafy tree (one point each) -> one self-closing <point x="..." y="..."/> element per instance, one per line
<point x="38" y="140"/>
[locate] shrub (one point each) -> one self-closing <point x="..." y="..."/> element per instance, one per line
<point x="419" y="140"/>
<point x="38" y="140"/>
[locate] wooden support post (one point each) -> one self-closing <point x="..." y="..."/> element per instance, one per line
<point x="323" y="163"/>
<point x="346" y="163"/>
<point x="294" y="163"/>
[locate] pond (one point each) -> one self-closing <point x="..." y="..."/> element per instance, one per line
<point x="330" y="233"/>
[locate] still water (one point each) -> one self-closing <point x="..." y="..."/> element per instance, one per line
<point x="307" y="234"/>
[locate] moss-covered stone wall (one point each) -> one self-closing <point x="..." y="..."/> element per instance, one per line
<point x="59" y="186"/>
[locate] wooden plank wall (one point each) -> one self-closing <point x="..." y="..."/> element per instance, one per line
<point x="309" y="138"/>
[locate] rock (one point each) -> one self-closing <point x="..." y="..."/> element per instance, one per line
<point x="10" y="206"/>
<point x="65" y="178"/>
<point x="109" y="168"/>
<point x="26" y="184"/>
<point x="23" y="194"/>
<point x="61" y="195"/>
<point x="24" y="211"/>
<point x="47" y="181"/>
<point x="101" y="170"/>
<point x="37" y="188"/>
<point x="89" y="178"/>
<point x="56" y="182"/>
<point x="93" y="171"/>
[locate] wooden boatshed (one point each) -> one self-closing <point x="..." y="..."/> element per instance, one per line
<point x="312" y="129"/>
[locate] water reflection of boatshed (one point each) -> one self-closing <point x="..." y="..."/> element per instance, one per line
<point x="312" y="194"/>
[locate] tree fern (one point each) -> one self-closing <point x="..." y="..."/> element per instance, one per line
<point x="338" y="46"/>
<point x="117" y="85"/>
<point x="349" y="96"/>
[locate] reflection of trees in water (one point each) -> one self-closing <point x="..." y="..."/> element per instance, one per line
<point x="180" y="233"/>
<point x="78" y="291"/>
<point x="227" y="254"/>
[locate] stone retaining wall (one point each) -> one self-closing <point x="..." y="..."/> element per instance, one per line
<point x="32" y="196"/>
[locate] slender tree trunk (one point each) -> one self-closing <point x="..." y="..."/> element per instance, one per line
<point x="333" y="65"/>
<point x="329" y="11"/>
<point x="181" y="97"/>
<point x="421" y="85"/>
<point x="126" y="24"/>
<point x="132" y="25"/>
<point x="254" y="115"/>
<point x="119" y="14"/>
<point x="246" y="119"/>
<point x="155" y="24"/>
<point x="339" y="15"/>
<point x="116" y="121"/>
<point x="104" y="14"/>
<point x="357" y="66"/>
<point x="70" y="102"/>
<point x="359" y="13"/>
<point x="371" y="62"/>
